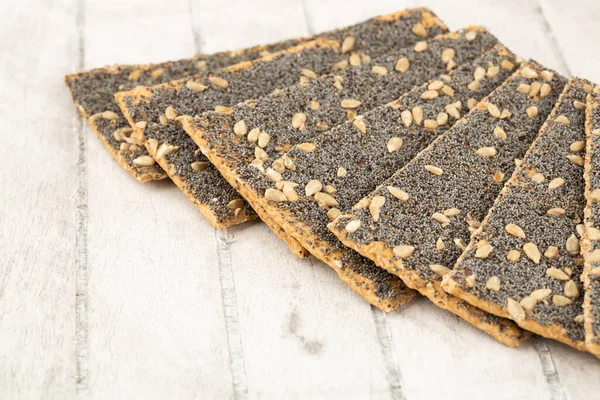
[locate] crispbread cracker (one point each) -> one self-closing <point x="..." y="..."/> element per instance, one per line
<point x="590" y="244"/>
<point x="248" y="80"/>
<point x="450" y="186"/>
<point x="93" y="91"/>
<point x="545" y="295"/>
<point x="301" y="114"/>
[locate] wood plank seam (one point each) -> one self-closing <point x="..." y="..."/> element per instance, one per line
<point x="388" y="353"/>
<point x="195" y="32"/>
<point x="307" y="18"/>
<point x="230" y="312"/>
<point x="552" y="38"/>
<point x="81" y="226"/>
<point x="557" y="391"/>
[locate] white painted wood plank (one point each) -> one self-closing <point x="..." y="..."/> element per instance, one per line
<point x="574" y="25"/>
<point x="136" y="32"/>
<point x="156" y="326"/>
<point x="305" y="334"/>
<point x="338" y="13"/>
<point x="441" y="355"/>
<point x="37" y="216"/>
<point x="238" y="23"/>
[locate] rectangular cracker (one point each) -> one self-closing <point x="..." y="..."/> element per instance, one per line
<point x="249" y="80"/>
<point x="590" y="244"/>
<point x="541" y="206"/>
<point x="189" y="169"/>
<point x="449" y="176"/>
<point x="322" y="101"/>
<point x="93" y="90"/>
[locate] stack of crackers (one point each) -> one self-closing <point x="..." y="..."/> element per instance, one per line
<point x="410" y="159"/>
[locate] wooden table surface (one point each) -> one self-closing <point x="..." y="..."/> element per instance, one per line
<point x="114" y="289"/>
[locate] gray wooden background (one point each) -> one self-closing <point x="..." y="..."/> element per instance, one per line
<point x="114" y="289"/>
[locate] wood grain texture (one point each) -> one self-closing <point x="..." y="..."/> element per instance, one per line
<point x="156" y="325"/>
<point x="37" y="234"/>
<point x="105" y="296"/>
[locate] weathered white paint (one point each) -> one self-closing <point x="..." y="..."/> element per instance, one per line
<point x="113" y="289"/>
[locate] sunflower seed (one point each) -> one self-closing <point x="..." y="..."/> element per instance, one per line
<point x="253" y="135"/>
<point x="307" y="146"/>
<point x="402" y="65"/>
<point x="308" y="73"/>
<point x="439" y="270"/>
<point x="394" y="144"/>
<point x="515" y="310"/>
<point x="577" y="146"/>
<point x="434" y="170"/>
<point x="556" y="183"/>
<point x="417" y="114"/>
<point x="529" y="73"/>
<point x="515" y="230"/>
<point x="538" y="178"/>
<point x="547" y="75"/>
<point x="144" y="161"/>
<point x="218" y="82"/>
<point x="561" y="301"/>
<point x="486" y="151"/>
<point x="195" y="86"/>
<point x="532" y="252"/>
<point x="407" y="118"/>
<point x="359" y="124"/>
<point x="441" y="218"/>
<point x="430" y="124"/>
<point x="493" y="284"/>
<point x="350" y="103"/>
<point x="513" y="255"/>
<point x="263" y="140"/>
<point x="452" y="111"/>
<point x="439" y="244"/>
<point x="348" y="44"/>
<point x="420" y="47"/>
<point x="419" y="30"/>
<point x="471" y="35"/>
<point x="398" y="193"/>
<point x="484" y="249"/>
<point x="447" y="55"/>
<point x="234" y="204"/>
<point x="352" y="226"/>
<point x="572" y="245"/>
<point x="275" y="195"/>
<point x="333" y="213"/>
<point x="579" y="105"/>
<point x="551" y="252"/>
<point x="534" y="89"/>
<point x="165" y="149"/>
<point x="532" y="111"/>
<point x="379" y="70"/>
<point x="325" y="200"/>
<point x="375" y="207"/>
<point x="240" y="128"/>
<point x="260" y="154"/>
<point x="557" y="274"/>
<point x="403" y="251"/>
<point x="493" y="110"/>
<point x="540" y="294"/>
<point x="571" y="289"/>
<point x="341" y="172"/>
